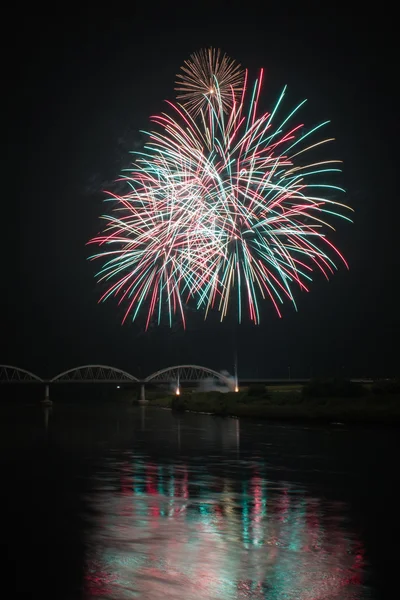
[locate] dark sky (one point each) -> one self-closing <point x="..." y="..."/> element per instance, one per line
<point x="79" y="85"/>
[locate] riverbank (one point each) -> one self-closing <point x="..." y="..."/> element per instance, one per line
<point x="292" y="406"/>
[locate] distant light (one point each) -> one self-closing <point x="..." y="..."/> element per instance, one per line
<point x="236" y="388"/>
<point x="178" y="392"/>
<point x="118" y="387"/>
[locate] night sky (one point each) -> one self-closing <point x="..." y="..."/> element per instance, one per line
<point x="79" y="86"/>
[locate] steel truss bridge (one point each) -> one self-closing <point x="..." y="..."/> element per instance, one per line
<point x="176" y="375"/>
<point x="107" y="374"/>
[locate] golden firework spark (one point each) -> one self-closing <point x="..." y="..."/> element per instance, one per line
<point x="207" y="75"/>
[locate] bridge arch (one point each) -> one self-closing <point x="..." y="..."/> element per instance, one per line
<point x="93" y="374"/>
<point x="188" y="373"/>
<point x="10" y="374"/>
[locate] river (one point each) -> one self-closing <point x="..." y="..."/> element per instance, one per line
<point x="145" y="504"/>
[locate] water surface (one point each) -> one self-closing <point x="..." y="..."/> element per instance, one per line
<point x="194" y="506"/>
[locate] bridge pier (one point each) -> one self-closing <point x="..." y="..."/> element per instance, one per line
<point x="47" y="401"/>
<point x="142" y="399"/>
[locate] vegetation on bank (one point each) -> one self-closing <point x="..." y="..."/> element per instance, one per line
<point x="321" y="400"/>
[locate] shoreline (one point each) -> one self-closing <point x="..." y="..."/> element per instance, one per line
<point x="337" y="412"/>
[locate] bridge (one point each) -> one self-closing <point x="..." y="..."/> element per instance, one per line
<point x="175" y="375"/>
<point x="105" y="374"/>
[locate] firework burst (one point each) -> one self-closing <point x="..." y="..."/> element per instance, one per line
<point x="221" y="210"/>
<point x="202" y="75"/>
